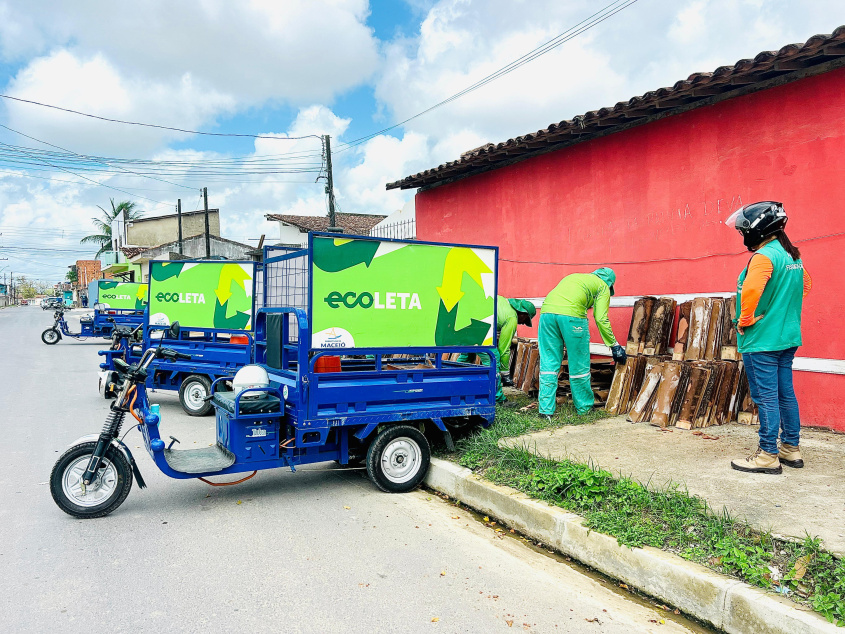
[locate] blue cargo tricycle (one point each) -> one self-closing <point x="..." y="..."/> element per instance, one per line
<point x="353" y="336"/>
<point x="115" y="304"/>
<point x="218" y="343"/>
<point x="100" y="325"/>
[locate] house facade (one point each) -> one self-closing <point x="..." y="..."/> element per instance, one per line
<point x="136" y="235"/>
<point x="86" y="272"/>
<point x="645" y="187"/>
<point x="192" y="248"/>
<point x="150" y="232"/>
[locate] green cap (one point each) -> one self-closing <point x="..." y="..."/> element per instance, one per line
<point x="523" y="306"/>
<point x="606" y="275"/>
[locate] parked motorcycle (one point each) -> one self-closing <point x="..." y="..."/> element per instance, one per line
<point x="94" y="476"/>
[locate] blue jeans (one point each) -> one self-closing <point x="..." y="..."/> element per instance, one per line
<point x="770" y="384"/>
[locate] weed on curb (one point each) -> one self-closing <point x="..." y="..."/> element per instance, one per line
<point x="637" y="515"/>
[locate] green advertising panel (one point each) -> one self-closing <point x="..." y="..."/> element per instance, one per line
<point x="125" y="295"/>
<point x="202" y="294"/>
<point x="373" y="294"/>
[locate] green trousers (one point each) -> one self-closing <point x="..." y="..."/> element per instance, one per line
<point x="468" y="357"/>
<point x="557" y="331"/>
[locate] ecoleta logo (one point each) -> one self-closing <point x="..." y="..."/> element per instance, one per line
<point x="392" y="301"/>
<point x="181" y="298"/>
<point x="113" y="296"/>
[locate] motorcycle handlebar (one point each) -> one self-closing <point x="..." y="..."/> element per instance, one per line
<point x="172" y="354"/>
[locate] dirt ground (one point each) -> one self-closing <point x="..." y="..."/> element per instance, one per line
<point x="799" y="501"/>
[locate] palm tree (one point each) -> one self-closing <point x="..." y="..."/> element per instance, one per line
<point x="103" y="224"/>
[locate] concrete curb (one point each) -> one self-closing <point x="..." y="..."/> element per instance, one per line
<point x="726" y="603"/>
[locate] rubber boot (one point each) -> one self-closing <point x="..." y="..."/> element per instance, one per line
<point x="758" y="462"/>
<point x="790" y="455"/>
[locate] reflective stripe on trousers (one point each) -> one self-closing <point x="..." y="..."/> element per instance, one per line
<point x="555" y="332"/>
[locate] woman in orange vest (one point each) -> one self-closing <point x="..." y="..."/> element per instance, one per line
<point x="770" y="294"/>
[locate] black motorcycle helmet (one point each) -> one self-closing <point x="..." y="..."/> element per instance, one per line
<point x="758" y="221"/>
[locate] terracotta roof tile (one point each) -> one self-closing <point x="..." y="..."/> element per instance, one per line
<point x="355" y="224"/>
<point x="131" y="252"/>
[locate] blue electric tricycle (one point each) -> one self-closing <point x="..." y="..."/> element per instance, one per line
<point x="116" y="304"/>
<point x="100" y="325"/>
<point x="211" y="352"/>
<point x="376" y="404"/>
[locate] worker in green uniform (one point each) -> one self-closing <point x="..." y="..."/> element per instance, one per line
<point x="770" y="299"/>
<point x="509" y="314"/>
<point x="563" y="322"/>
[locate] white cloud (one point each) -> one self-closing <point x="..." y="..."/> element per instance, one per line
<point x="295" y="50"/>
<point x="95" y="86"/>
<point x="461" y="42"/>
<point x="184" y="64"/>
<point x="382" y="159"/>
<point x="189" y="64"/>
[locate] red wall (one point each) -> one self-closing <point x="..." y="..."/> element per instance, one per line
<point x="650" y="202"/>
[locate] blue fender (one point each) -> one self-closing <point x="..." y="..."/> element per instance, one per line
<point x="121" y="447"/>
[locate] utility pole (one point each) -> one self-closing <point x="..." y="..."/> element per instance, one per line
<point x="179" y="221"/>
<point x="207" y="237"/>
<point x="330" y="186"/>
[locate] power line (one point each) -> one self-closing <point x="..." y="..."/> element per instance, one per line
<point x="160" y="127"/>
<point x="212" y="179"/>
<point x="95" y="182"/>
<point x="74" y="153"/>
<point x="584" y="25"/>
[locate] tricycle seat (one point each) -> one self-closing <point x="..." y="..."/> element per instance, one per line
<point x="264" y="404"/>
<point x="86" y="319"/>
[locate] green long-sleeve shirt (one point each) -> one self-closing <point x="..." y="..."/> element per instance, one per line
<point x="578" y="292"/>
<point x="506" y="322"/>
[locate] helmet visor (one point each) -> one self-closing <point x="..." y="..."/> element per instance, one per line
<point x="731" y="221"/>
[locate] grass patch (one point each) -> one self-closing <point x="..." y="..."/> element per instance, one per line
<point x="670" y="519"/>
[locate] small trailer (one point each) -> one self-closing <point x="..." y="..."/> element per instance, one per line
<point x="355" y="337"/>
<point x="115" y="304"/>
<point x="214" y="301"/>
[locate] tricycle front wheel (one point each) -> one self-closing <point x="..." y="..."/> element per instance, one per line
<point x="101" y="497"/>
<point x="398" y="459"/>
<point x="50" y="336"/>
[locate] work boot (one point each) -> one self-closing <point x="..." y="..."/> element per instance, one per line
<point x="790" y="455"/>
<point x="758" y="462"/>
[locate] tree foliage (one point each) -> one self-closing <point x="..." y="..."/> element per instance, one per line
<point x="103" y="223"/>
<point x="27" y="288"/>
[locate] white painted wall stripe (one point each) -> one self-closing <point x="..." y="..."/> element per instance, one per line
<point x="801" y="364"/>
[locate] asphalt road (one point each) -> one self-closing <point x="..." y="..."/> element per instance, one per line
<point x="320" y="550"/>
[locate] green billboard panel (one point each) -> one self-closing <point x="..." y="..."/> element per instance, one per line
<point x="123" y="295"/>
<point x="202" y="294"/>
<point x="381" y="294"/>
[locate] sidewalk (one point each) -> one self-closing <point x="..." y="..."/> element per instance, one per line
<point x="809" y="500"/>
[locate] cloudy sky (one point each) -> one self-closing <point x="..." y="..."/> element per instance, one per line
<point x="302" y="68"/>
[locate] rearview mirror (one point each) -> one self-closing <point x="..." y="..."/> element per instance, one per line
<point x="174" y="330"/>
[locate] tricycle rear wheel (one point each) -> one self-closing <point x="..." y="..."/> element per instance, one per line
<point x="50" y="336"/>
<point x="192" y="393"/>
<point x="398" y="459"/>
<point x="101" y="497"/>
